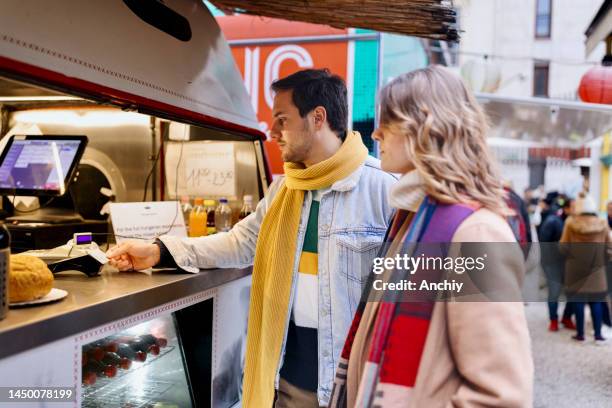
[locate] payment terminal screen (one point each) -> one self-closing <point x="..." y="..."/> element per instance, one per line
<point x="38" y="164"/>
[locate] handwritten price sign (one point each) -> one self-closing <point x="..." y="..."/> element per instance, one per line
<point x="206" y="169"/>
<point x="198" y="177"/>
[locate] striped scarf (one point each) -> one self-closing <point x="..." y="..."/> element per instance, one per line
<point x="399" y="328"/>
<point x="274" y="262"/>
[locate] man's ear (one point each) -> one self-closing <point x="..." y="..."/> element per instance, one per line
<point x="319" y="114"/>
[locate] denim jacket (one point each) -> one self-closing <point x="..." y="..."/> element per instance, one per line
<point x="353" y="218"/>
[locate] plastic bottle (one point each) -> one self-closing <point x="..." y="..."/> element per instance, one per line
<point x="247" y="207"/>
<point x="197" y="219"/>
<point x="186" y="208"/>
<point x="106" y="345"/>
<point x="160" y="341"/>
<point x="147" y="344"/>
<point x="101" y="369"/>
<point x="89" y="377"/>
<point x="5" y="254"/>
<point x="210" y="217"/>
<point x="93" y="352"/>
<point x="116" y="360"/>
<point x="223" y="216"/>
<point x="128" y="352"/>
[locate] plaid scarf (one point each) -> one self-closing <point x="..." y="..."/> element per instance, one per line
<point x="400" y="327"/>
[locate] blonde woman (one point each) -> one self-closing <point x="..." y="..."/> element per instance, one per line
<point x="438" y="354"/>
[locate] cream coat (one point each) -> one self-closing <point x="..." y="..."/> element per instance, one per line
<point x="478" y="354"/>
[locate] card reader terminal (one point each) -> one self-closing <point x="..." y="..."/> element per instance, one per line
<point x="81" y="254"/>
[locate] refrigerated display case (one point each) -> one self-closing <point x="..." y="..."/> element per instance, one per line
<point x="126" y="370"/>
<point x="154" y="364"/>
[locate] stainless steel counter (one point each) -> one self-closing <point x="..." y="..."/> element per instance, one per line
<point x="92" y="302"/>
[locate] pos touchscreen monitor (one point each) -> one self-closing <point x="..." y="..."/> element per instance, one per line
<point x="40" y="165"/>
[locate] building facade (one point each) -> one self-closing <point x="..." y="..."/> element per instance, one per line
<point x="539" y="45"/>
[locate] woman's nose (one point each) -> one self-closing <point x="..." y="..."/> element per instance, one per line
<point x="376" y="135"/>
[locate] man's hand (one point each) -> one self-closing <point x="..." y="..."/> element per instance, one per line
<point x="133" y="255"/>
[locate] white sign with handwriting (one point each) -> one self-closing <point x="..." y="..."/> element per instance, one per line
<point x="205" y="169"/>
<point x="147" y="220"/>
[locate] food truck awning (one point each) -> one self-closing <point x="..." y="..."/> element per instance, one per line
<point x="549" y="121"/>
<point x="600" y="28"/>
<point x="182" y="70"/>
<point x="435" y="19"/>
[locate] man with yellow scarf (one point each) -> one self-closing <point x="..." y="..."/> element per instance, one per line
<point x="311" y="240"/>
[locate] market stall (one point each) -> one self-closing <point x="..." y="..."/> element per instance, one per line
<point x="154" y="99"/>
<point x="555" y="143"/>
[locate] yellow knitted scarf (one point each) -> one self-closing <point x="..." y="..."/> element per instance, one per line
<point x="274" y="262"/>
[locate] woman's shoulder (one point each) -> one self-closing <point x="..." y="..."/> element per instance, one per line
<point x="484" y="225"/>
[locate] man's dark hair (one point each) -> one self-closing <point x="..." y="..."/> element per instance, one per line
<point x="318" y="87"/>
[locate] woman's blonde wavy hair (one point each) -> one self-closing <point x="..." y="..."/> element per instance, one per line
<point x="445" y="131"/>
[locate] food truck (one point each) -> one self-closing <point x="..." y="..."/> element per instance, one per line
<point x="146" y="105"/>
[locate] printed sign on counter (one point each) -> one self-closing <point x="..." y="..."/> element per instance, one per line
<point x="206" y="169"/>
<point x="147" y="220"/>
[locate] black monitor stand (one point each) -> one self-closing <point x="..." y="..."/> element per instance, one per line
<point x="60" y="210"/>
<point x="48" y="216"/>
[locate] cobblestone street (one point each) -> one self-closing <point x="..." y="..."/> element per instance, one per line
<point x="568" y="373"/>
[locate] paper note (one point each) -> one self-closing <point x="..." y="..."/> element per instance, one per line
<point x="147" y="221"/>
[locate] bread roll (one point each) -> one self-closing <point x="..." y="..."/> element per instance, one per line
<point x="29" y="278"/>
